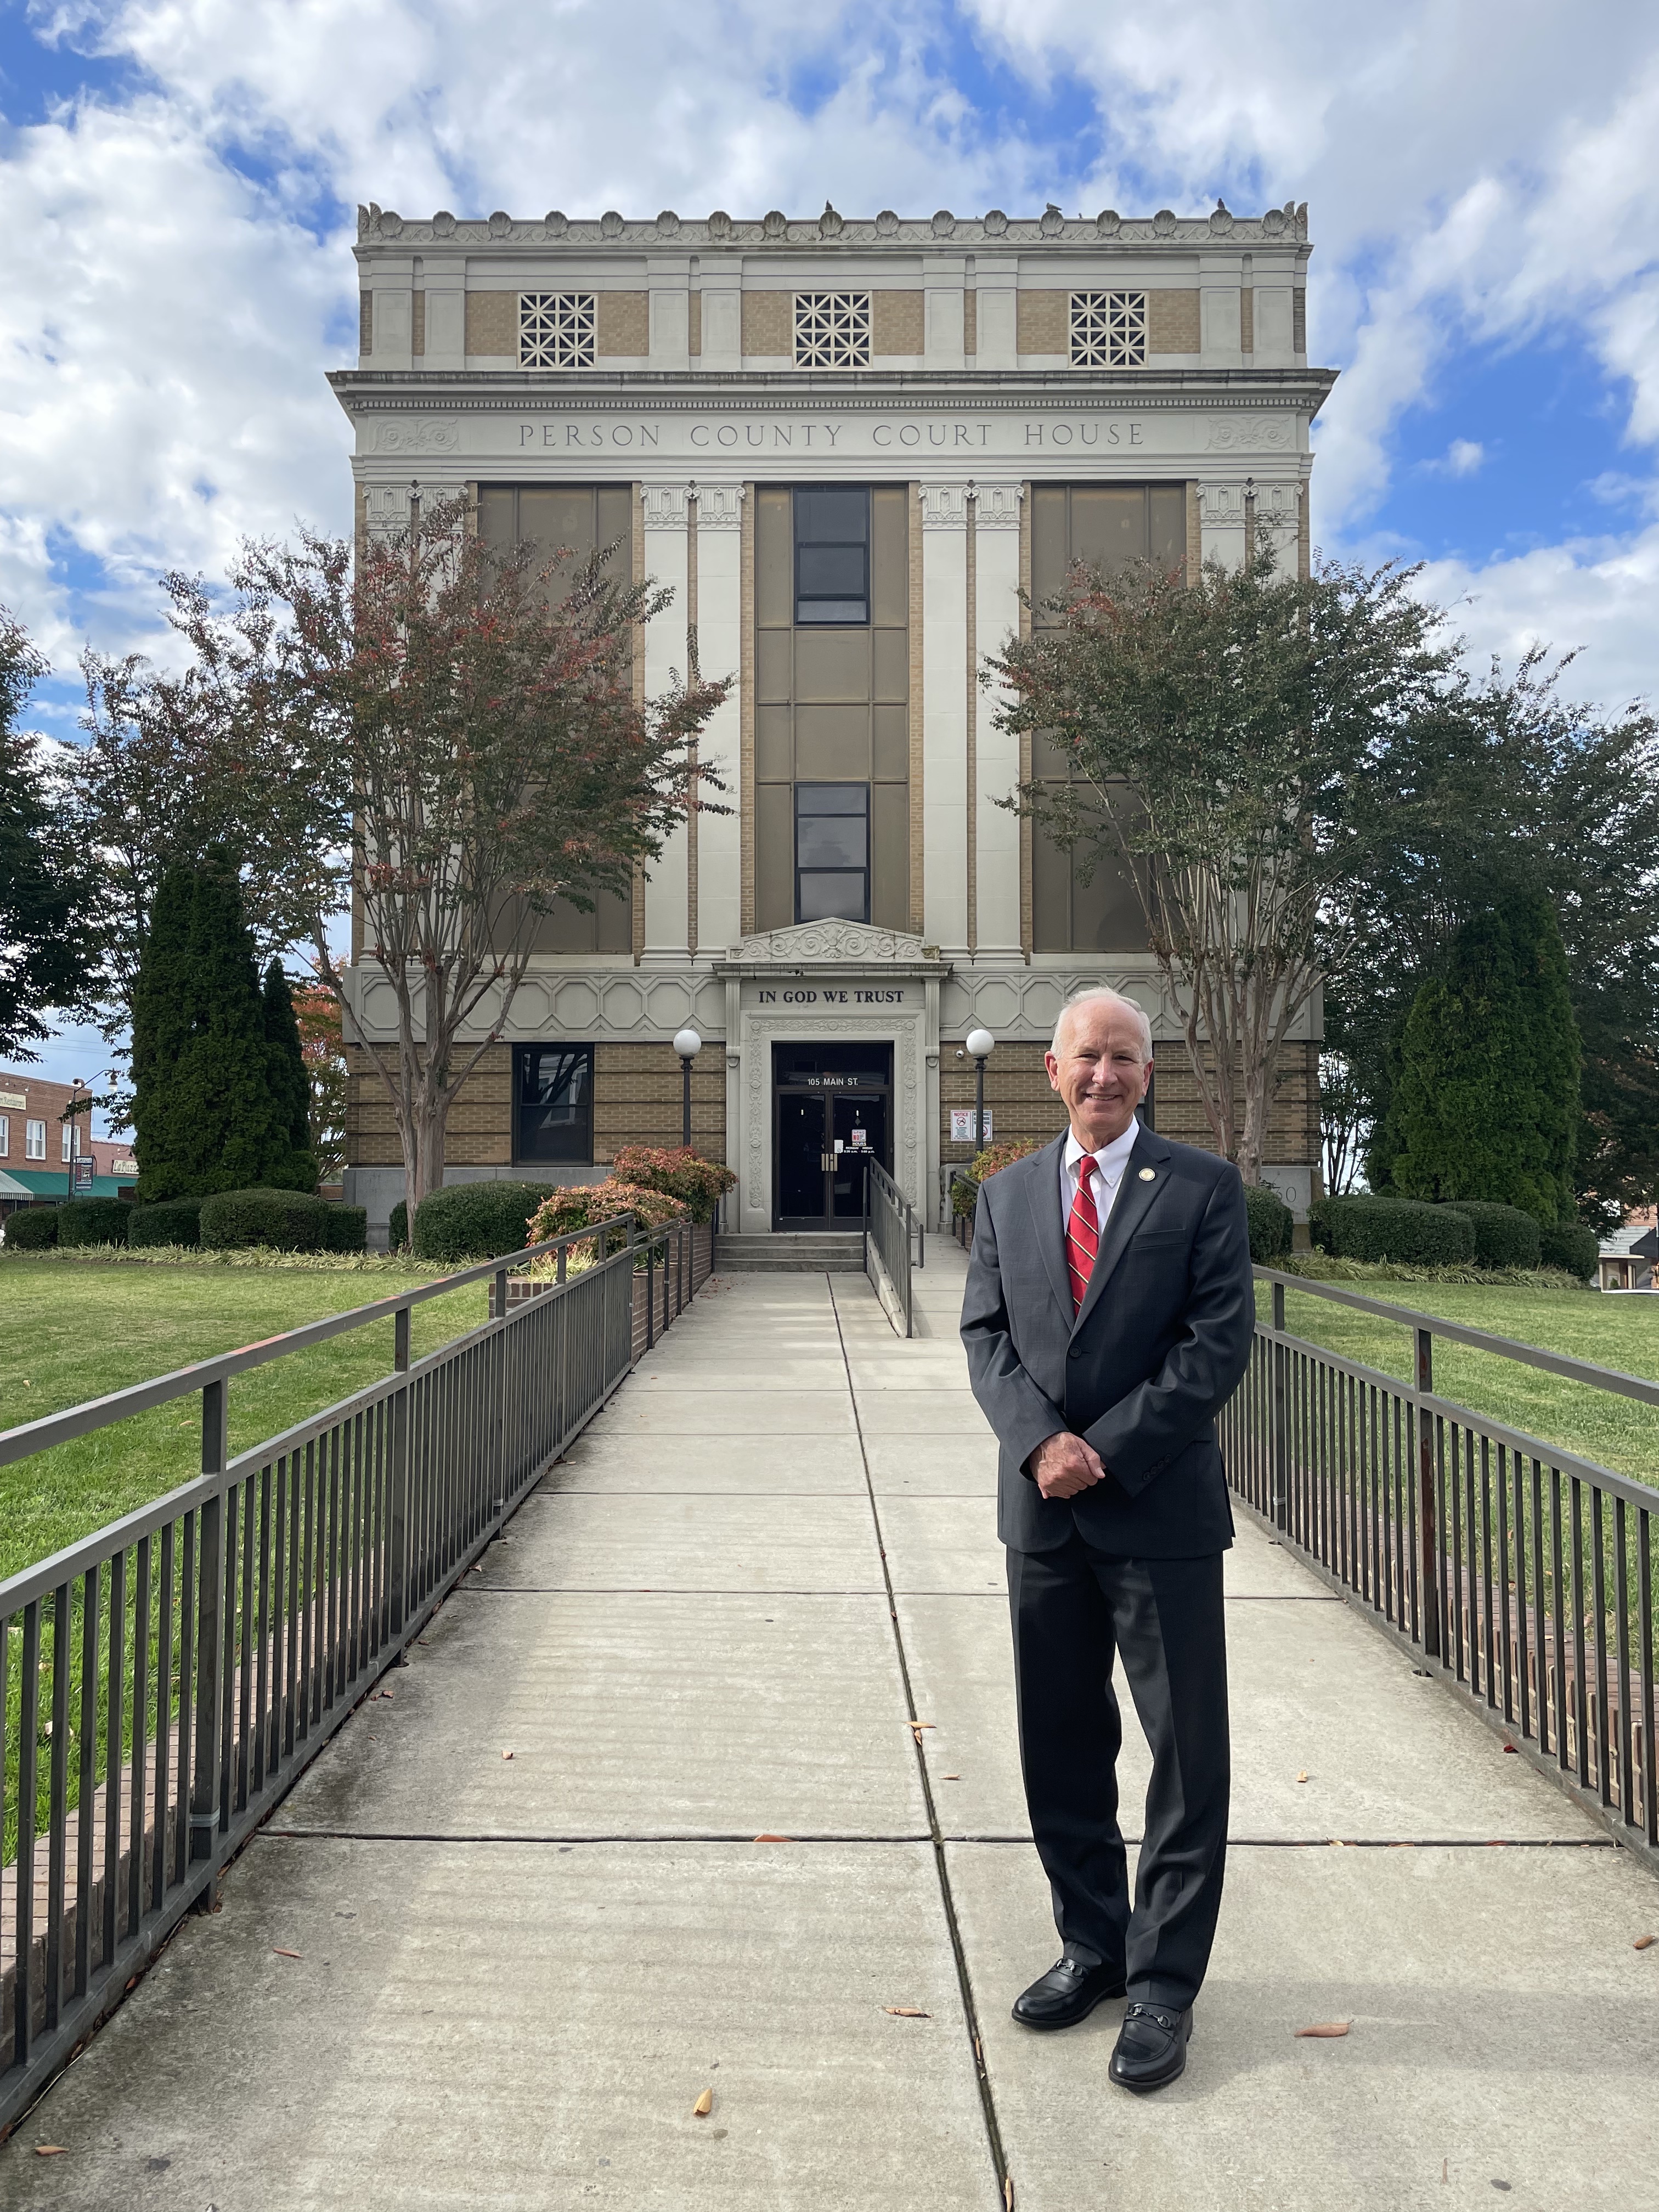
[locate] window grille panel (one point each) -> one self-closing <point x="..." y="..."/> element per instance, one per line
<point x="832" y="330"/>
<point x="1109" y="330"/>
<point x="557" y="330"/>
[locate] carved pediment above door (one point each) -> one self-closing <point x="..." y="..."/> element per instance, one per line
<point x="841" y="946"/>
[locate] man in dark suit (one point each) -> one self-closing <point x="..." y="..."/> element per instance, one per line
<point x="1108" y="1320"/>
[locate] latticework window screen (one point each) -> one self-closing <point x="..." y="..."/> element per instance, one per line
<point x="832" y="330"/>
<point x="1109" y="330"/>
<point x="557" y="330"/>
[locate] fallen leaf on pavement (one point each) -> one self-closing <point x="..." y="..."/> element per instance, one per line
<point x="1513" y="1747"/>
<point x="906" y="2012"/>
<point x="1326" y="2028"/>
<point x="1008" y="2192"/>
<point x="950" y="1777"/>
<point x="1644" y="1942"/>
<point x="774" y="1839"/>
<point x="277" y="1952"/>
<point x="507" y="1754"/>
<point x="1303" y="1776"/>
<point x="50" y="2150"/>
<point x="704" y="2105"/>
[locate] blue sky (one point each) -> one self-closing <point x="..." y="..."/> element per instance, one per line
<point x="179" y="177"/>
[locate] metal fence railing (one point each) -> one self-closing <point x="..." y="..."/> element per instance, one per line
<point x="1515" y="1569"/>
<point x="890" y="1224"/>
<point x="164" y="1682"/>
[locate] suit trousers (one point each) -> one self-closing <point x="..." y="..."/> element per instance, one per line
<point x="1071" y="1608"/>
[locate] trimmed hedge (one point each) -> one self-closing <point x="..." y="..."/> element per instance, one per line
<point x="1271" y="1224"/>
<point x="398" y="1231"/>
<point x="33" y="1229"/>
<point x="169" y="1221"/>
<point x="1362" y="1227"/>
<point x="286" y="1220"/>
<point x="1570" y="1245"/>
<point x="476" y="1220"/>
<point x="1505" y="1237"/>
<point x="93" y="1221"/>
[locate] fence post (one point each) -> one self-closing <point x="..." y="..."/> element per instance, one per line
<point x="397" y="1533"/>
<point x="209" y="1631"/>
<point x="650" y="1287"/>
<point x="1428" y="1538"/>
<point x="500" y="1388"/>
<point x="1281" y="1435"/>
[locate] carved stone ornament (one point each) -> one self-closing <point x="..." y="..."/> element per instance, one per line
<point x="943" y="223"/>
<point x="997" y="506"/>
<point x="719" y="506"/>
<point x="1164" y="224"/>
<point x="1053" y="222"/>
<point x="996" y="223"/>
<point x="943" y="506"/>
<point x="829" y="944"/>
<point x="443" y="224"/>
<point x="773" y="223"/>
<point x="830" y="224"/>
<point x="417" y="434"/>
<point x="501" y="224"/>
<point x="1252" y="434"/>
<point x="720" y="224"/>
<point x="1109" y="222"/>
<point x="610" y="224"/>
<point x="665" y="506"/>
<point x="668" y="224"/>
<point x="886" y="223"/>
<point x="556" y="222"/>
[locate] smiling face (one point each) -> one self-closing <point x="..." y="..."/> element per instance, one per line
<point x="1101" y="1070"/>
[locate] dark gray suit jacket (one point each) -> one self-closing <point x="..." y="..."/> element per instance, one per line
<point x="1158" y="1347"/>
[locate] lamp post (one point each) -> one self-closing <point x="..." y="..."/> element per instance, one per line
<point x="981" y="1044"/>
<point x="75" y="1088"/>
<point x="687" y="1044"/>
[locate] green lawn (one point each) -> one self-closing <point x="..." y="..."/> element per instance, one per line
<point x="70" y="1332"/>
<point x="1613" y="1332"/>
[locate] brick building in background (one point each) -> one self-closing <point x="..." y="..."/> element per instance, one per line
<point x="849" y="446"/>
<point x="39" y="1148"/>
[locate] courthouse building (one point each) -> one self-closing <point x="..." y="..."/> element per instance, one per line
<point x="848" y="446"/>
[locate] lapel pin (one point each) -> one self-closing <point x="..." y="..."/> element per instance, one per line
<point x="1147" y="1173"/>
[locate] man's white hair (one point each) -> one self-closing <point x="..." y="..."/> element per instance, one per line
<point x="1097" y="995"/>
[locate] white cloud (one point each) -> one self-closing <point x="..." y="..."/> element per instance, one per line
<point x="1464" y="457"/>
<point x="1594" y="599"/>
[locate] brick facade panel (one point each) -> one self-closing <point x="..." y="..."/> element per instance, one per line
<point x="1172" y="321"/>
<point x="896" y="322"/>
<point x="1044" y="322"/>
<point x="768" y="322"/>
<point x="492" y="323"/>
<point x="624" y="323"/>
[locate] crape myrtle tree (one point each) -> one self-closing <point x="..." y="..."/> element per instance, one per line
<point x="318" y="1014"/>
<point x="46" y="888"/>
<point x="1224" y="737"/>
<point x="460" y="747"/>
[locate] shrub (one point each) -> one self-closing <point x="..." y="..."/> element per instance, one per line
<point x="345" y="1228"/>
<point x="93" y="1221"/>
<point x="1367" y="1228"/>
<point x="397" y="1229"/>
<point x="1271" y="1224"/>
<point x="1569" y="1245"/>
<point x="33" y="1229"/>
<point x="964" y="1190"/>
<point x="475" y="1220"/>
<point x="699" y="1183"/>
<point x="169" y="1221"/>
<point x="1503" y="1236"/>
<point x="563" y="1212"/>
<point x="286" y="1220"/>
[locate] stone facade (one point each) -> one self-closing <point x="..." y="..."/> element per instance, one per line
<point x="956" y="367"/>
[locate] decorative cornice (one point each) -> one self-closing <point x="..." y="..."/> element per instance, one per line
<point x="833" y="233"/>
<point x="719" y="506"/>
<point x="846" y="947"/>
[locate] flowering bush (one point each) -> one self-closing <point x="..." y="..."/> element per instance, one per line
<point x="964" y="1191"/>
<point x="683" y="1174"/>
<point x="586" y="1204"/>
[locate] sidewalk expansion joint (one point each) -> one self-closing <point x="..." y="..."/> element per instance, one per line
<point x="566" y="1838"/>
<point x="941" y="1864"/>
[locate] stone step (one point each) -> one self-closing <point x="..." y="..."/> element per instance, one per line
<point x="828" y="1252"/>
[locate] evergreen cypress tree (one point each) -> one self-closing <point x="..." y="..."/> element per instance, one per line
<point x="1486" y="1102"/>
<point x="206" y="1113"/>
<point x="288" y="1080"/>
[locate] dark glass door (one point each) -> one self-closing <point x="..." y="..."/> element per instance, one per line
<point x="831" y="1117"/>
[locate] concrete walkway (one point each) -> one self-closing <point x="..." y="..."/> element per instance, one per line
<point x="720" y="1858"/>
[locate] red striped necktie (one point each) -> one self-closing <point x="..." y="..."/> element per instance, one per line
<point x="1083" y="1231"/>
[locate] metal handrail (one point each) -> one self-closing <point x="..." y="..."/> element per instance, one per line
<point x="889" y="1222"/>
<point x="164" y="1682"/>
<point x="1522" y="1574"/>
<point x="1506" y="1348"/>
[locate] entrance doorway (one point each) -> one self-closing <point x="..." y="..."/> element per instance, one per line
<point x="832" y="1114"/>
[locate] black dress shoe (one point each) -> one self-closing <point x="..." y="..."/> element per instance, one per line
<point x="1151" y="2047"/>
<point x="1067" y="1993"/>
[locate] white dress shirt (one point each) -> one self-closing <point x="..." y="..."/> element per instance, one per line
<point x="1111" y="1160"/>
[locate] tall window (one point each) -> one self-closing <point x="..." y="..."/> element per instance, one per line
<point x="34" y="1140"/>
<point x="5" y="1136"/>
<point x="832" y="330"/>
<point x="557" y="330"/>
<point x="832" y="555"/>
<point x="553" y="1095"/>
<point x="832" y="852"/>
